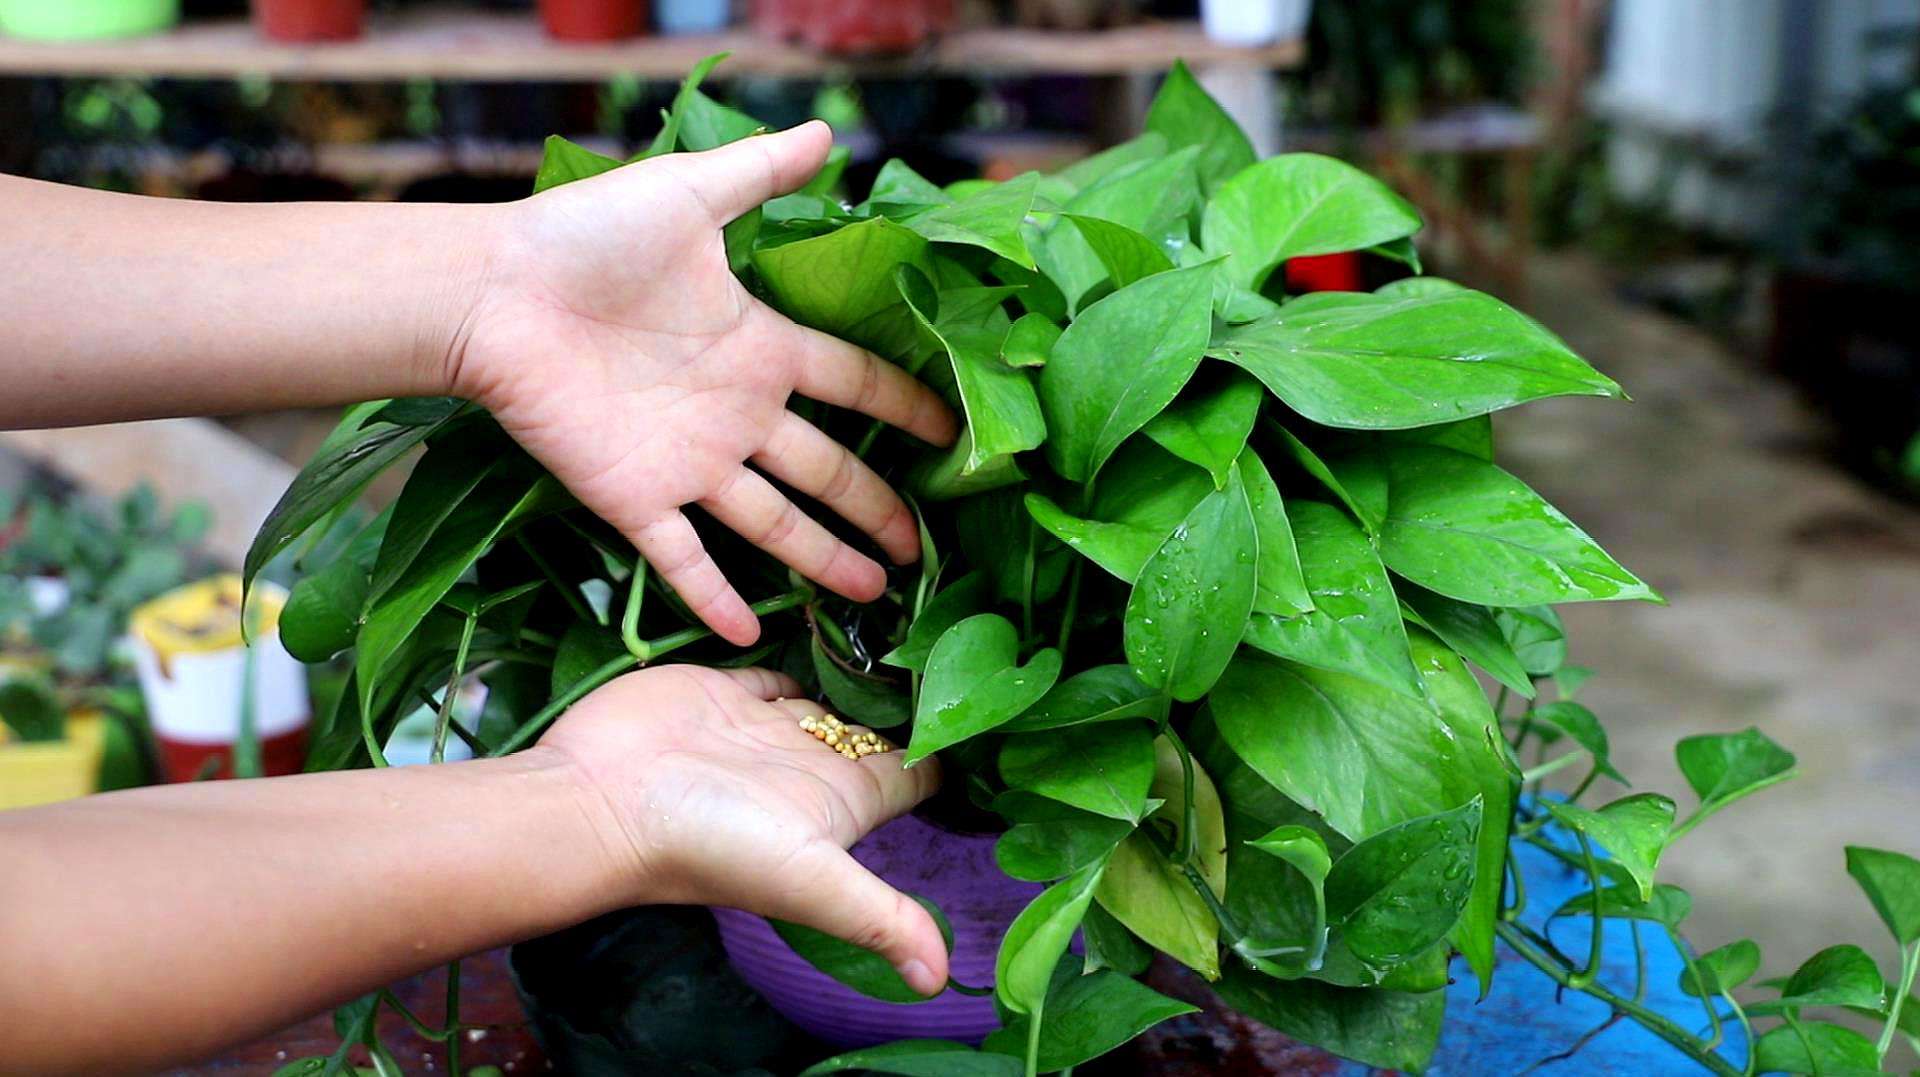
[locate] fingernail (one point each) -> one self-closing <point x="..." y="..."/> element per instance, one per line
<point x="919" y="977"/>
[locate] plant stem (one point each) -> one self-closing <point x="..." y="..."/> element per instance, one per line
<point x="1585" y="977"/>
<point x="445" y="716"/>
<point x="613" y="667"/>
<point x="568" y="592"/>
<point x="1534" y="774"/>
<point x="630" y="616"/>
<point x="1693" y="973"/>
<point x="1033" y="1041"/>
<point x="1189" y="814"/>
<point x="453" y="1018"/>
<point x="1516" y="938"/>
<point x="1909" y="965"/>
<point x="1072" y="608"/>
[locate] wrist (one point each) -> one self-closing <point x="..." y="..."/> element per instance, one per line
<point x="611" y="859"/>
<point x="468" y="239"/>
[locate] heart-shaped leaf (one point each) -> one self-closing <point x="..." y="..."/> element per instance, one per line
<point x="1836" y="1051"/>
<point x="1891" y="882"/>
<point x="974" y="682"/>
<point x="1633" y="830"/>
<point x="1722" y="970"/>
<point x="1087" y="1016"/>
<point x="1723" y="767"/>
<point x="1280" y="587"/>
<point x="1105" y="769"/>
<point x="858" y="968"/>
<point x="843" y="282"/>
<point x="964" y="597"/>
<point x="1191" y="601"/>
<point x="1029" y="341"/>
<point x="1401" y="890"/>
<point x="1142" y="496"/>
<point x="1038" y="936"/>
<point x="1669" y="905"/>
<point x="1300" y="204"/>
<point x="1472" y="630"/>
<point x="1357" y="361"/>
<point x="1186" y="115"/>
<point x="1101" y="694"/>
<point x="1210" y="429"/>
<point x="1579" y="723"/>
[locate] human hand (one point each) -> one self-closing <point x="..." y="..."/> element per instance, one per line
<point x="713" y="795"/>
<point x="613" y="342"/>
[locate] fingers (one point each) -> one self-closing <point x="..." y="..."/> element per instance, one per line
<point x="800" y="455"/>
<point x="762" y="515"/>
<point x="833" y="371"/>
<point x="735" y="178"/>
<point x="849" y="902"/>
<point x="764" y="683"/>
<point x="672" y="547"/>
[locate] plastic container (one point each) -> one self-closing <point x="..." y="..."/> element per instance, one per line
<point x="192" y="663"/>
<point x="593" y="20"/>
<point x="83" y="20"/>
<point x="676" y="17"/>
<point x="297" y="21"/>
<point x="1255" y="22"/>
<point x="955" y="871"/>
<point x="46" y="772"/>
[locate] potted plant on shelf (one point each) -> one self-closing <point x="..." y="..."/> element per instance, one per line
<point x="1204" y="585"/>
<point x="70" y="579"/>
<point x="306" y="21"/>
<point x="593" y="20"/>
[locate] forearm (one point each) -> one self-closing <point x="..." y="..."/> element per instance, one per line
<point x="120" y="307"/>
<point x="155" y="926"/>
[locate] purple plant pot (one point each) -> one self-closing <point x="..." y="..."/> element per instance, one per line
<point x="956" y="872"/>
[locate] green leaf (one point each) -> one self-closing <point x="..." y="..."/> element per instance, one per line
<point x="1354" y="360"/>
<point x="1029" y="341"/>
<point x="1354" y="626"/>
<point x="1122" y="360"/>
<point x="964" y="597"/>
<point x="30" y="709"/>
<point x="504" y="502"/>
<point x="1402" y="890"/>
<point x="1186" y="115"/>
<point x="1669" y="905"/>
<point x="668" y="138"/>
<point x="920" y="1058"/>
<point x="1038" y="936"/>
<point x="1537" y="638"/>
<point x="1128" y="255"/>
<point x="447" y="475"/>
<point x="349" y="459"/>
<point x="1054" y="848"/>
<point x="1300" y="204"/>
<point x="1471" y="436"/>
<point x="1303" y="849"/>
<point x="1723" y="767"/>
<point x="858" y="968"/>
<point x="1140" y="499"/>
<point x="322" y="614"/>
<point x="1311" y="463"/>
<point x="1417" y="288"/>
<point x="1579" y="723"/>
<point x="1101" y="694"/>
<point x="1392" y="1030"/>
<point x="1154" y="899"/>
<point x="1362" y="756"/>
<point x="1002" y="410"/>
<point x="1633" y="830"/>
<point x="1468" y="530"/>
<point x="1299" y="846"/>
<point x="990" y="219"/>
<point x="1193" y="596"/>
<point x="1722" y="970"/>
<point x="1891" y="882"/>
<point x="1841" y="975"/>
<point x="1210" y="429"/>
<point x="1089" y="171"/>
<point x="974" y="682"/>
<point x="1087" y="1016"/>
<point x="898" y="186"/>
<point x="1157" y="199"/>
<point x="1280" y="587"/>
<point x="1105" y="769"/>
<point x="843" y="282"/>
<point x="563" y="162"/>
<point x="1837" y="1051"/>
<point x="869" y="700"/>
<point x="706" y="124"/>
<point x="584" y="648"/>
<point x="1110" y="945"/>
<point x="1471" y="630"/>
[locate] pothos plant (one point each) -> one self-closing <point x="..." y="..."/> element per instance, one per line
<point x="1205" y="582"/>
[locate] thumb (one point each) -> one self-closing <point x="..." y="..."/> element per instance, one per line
<point x="849" y="902"/>
<point x="736" y="178"/>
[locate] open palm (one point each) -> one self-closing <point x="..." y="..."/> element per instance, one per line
<point x="614" y="343"/>
<point x="723" y="800"/>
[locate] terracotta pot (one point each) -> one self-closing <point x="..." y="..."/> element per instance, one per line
<point x="955" y="871"/>
<point x="855" y="26"/>
<point x="593" y="20"/>
<point x="310" y="20"/>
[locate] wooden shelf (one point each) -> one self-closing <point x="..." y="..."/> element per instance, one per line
<point x="462" y="45"/>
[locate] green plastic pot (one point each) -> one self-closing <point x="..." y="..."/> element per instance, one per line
<point x="79" y="20"/>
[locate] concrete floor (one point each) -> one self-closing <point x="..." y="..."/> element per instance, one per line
<point x="1795" y="594"/>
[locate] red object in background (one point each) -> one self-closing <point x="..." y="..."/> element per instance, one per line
<point x="593" y="20"/>
<point x="310" y="20"/>
<point x="854" y="26"/>
<point x="1324" y="273"/>
<point x="185" y="761"/>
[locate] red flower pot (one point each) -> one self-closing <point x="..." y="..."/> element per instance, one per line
<point x="593" y="20"/>
<point x="855" y="26"/>
<point x="310" y="20"/>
